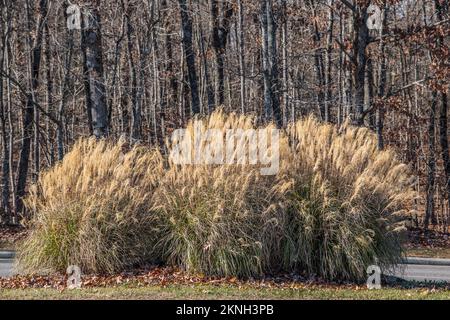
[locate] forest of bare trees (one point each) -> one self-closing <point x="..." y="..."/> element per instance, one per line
<point x="142" y="68"/>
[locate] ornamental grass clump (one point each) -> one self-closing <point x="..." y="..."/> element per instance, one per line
<point x="93" y="209"/>
<point x="347" y="202"/>
<point x="218" y="219"/>
<point x="334" y="206"/>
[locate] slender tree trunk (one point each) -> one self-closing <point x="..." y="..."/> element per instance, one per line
<point x="328" y="92"/>
<point x="113" y="91"/>
<point x="135" y="105"/>
<point x="220" y="30"/>
<point x="37" y="144"/>
<point x="49" y="92"/>
<point x="381" y="83"/>
<point x="341" y="77"/>
<point x="273" y="53"/>
<point x="11" y="129"/>
<point x="94" y="67"/>
<point x="361" y="41"/>
<point x="369" y="88"/>
<point x="318" y="65"/>
<point x="86" y="82"/>
<point x="443" y="138"/>
<point x="270" y="63"/>
<point x="173" y="98"/>
<point x="28" y="114"/>
<point x="64" y="93"/>
<point x="285" y="62"/>
<point x="209" y="87"/>
<point x="186" y="24"/>
<point x="242" y="55"/>
<point x="442" y="10"/>
<point x="6" y="209"/>
<point x="265" y="61"/>
<point x="431" y="163"/>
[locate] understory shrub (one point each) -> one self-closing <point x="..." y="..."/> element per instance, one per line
<point x="335" y="207"/>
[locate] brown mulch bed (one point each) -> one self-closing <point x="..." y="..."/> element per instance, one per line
<point x="165" y="276"/>
<point x="161" y="276"/>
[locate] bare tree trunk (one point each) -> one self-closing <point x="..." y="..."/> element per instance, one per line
<point x="10" y="133"/>
<point x="94" y="67"/>
<point x="381" y="83"/>
<point x="209" y="87"/>
<point x="319" y="66"/>
<point x="50" y="85"/>
<point x="86" y="82"/>
<point x="431" y="159"/>
<point x="442" y="10"/>
<point x="135" y="105"/>
<point x="37" y="143"/>
<point x="220" y="30"/>
<point x="5" y="29"/>
<point x="5" y="212"/>
<point x="270" y="63"/>
<point x="368" y="95"/>
<point x="188" y="49"/>
<point x="265" y="61"/>
<point x="28" y="114"/>
<point x="241" y="54"/>
<point x="273" y="61"/>
<point x="341" y="78"/>
<point x="285" y="62"/>
<point x="64" y="91"/>
<point x="443" y="138"/>
<point x="328" y="92"/>
<point x="431" y="163"/>
<point x="361" y="41"/>
<point x="173" y="98"/>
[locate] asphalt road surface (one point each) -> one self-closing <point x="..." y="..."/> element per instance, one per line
<point x="6" y="267"/>
<point x="429" y="273"/>
<point x="422" y="273"/>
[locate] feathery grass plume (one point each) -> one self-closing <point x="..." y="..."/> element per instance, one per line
<point x="334" y="208"/>
<point x="345" y="202"/>
<point x="93" y="209"/>
<point x="217" y="219"/>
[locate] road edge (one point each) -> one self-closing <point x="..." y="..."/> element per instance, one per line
<point x="427" y="261"/>
<point x="7" y="254"/>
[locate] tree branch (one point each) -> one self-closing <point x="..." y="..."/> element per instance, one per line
<point x="349" y="5"/>
<point x="27" y="94"/>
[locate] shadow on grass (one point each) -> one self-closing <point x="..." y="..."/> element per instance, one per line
<point x="396" y="282"/>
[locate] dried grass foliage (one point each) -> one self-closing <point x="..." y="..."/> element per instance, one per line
<point x="335" y="207"/>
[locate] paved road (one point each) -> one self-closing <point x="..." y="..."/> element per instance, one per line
<point x="429" y="273"/>
<point x="436" y="273"/>
<point x="6" y="267"/>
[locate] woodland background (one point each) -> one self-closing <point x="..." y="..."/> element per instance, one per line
<point x="142" y="68"/>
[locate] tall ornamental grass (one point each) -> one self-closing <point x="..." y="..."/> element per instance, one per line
<point x="335" y="207"/>
<point x="218" y="219"/>
<point x="347" y="202"/>
<point x="93" y="209"/>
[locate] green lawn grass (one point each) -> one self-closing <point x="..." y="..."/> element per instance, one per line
<point x="223" y="292"/>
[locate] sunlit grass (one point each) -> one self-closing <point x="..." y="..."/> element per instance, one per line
<point x="334" y="208"/>
<point x="226" y="292"/>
